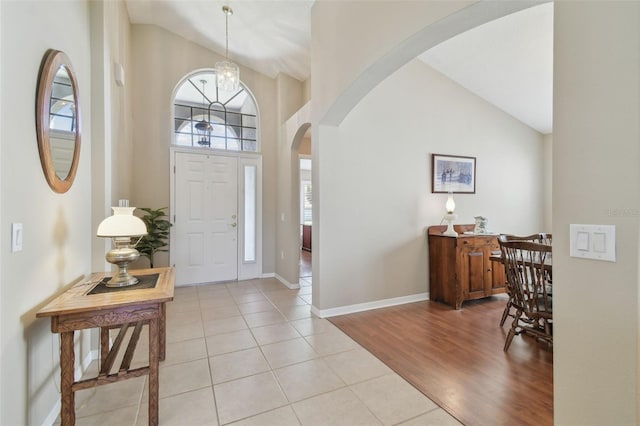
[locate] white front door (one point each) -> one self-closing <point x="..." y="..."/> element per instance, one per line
<point x="206" y="218"/>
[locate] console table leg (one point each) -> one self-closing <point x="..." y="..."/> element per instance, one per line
<point x="163" y="331"/>
<point x="67" y="361"/>
<point x="154" y="347"/>
<point x="104" y="345"/>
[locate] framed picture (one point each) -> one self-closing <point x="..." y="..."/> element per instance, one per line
<point x="453" y="173"/>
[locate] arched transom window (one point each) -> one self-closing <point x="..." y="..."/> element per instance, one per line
<point x="207" y="117"/>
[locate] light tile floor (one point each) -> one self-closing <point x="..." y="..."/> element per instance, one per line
<point x="251" y="353"/>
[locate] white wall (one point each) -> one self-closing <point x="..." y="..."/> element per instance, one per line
<point x="3" y="233"/>
<point x="547" y="176"/>
<point x="112" y="145"/>
<point x="337" y="30"/>
<point x="596" y="179"/>
<point x="160" y="60"/>
<point x="369" y="47"/>
<point x="287" y="254"/>
<point x="377" y="200"/>
<point x="57" y="227"/>
<point x="305" y="146"/>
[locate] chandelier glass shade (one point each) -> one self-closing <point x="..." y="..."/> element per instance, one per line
<point x="227" y="76"/>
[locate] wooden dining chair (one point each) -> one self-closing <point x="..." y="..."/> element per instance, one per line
<point x="526" y="266"/>
<point x="542" y="238"/>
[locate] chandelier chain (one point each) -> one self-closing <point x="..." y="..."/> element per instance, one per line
<point x="227" y="11"/>
<point x="226" y="50"/>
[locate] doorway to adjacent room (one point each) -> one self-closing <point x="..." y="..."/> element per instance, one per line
<point x="306" y="216"/>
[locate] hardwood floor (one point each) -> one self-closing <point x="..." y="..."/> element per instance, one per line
<point x="456" y="359"/>
<point x="305" y="264"/>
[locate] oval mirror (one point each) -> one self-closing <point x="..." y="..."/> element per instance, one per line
<point x="58" y="120"/>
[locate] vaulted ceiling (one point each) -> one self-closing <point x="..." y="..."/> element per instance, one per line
<point x="507" y="62"/>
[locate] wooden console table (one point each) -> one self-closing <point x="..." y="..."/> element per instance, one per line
<point x="76" y="309"/>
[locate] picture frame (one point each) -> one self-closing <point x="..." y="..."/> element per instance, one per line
<point x="453" y="173"/>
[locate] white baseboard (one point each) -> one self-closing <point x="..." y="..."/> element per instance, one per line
<point x="292" y="286"/>
<point x="53" y="414"/>
<point x="359" y="307"/>
<point x="77" y="374"/>
<point x="315" y="311"/>
<point x="268" y="275"/>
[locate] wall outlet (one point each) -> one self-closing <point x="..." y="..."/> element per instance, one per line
<point x="282" y="255"/>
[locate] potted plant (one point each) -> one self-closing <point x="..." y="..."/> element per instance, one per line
<point x="157" y="238"/>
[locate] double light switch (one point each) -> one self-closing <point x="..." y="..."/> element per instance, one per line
<point x="593" y="242"/>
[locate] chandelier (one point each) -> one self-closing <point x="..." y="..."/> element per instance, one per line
<point x="227" y="73"/>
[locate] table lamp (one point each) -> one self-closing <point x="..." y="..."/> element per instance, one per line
<point x="450" y="216"/>
<point x="122" y="227"/>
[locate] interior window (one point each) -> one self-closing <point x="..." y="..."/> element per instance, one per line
<point x="212" y="118"/>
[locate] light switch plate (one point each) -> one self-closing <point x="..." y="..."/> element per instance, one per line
<point x="596" y="242"/>
<point x="16" y="237"/>
<point x="118" y="73"/>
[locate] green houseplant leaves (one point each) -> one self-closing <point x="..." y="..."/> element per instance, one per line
<point x="157" y="239"/>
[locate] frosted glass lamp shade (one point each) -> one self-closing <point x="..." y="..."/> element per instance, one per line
<point x="227" y="76"/>
<point x="450" y="204"/>
<point x="121" y="227"/>
<point x="122" y="224"/>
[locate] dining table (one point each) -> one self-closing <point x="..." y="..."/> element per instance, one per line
<point x="547" y="265"/>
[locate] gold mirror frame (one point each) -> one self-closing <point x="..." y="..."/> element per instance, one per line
<point x="53" y="60"/>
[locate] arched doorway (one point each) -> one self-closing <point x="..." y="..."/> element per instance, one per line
<point x="305" y="203"/>
<point x="301" y="184"/>
<point x="367" y="264"/>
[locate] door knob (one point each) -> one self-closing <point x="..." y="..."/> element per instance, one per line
<point x="234" y="224"/>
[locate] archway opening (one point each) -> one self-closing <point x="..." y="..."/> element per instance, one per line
<point x="301" y="201"/>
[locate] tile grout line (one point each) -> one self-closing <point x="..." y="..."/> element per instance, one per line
<point x="206" y="348"/>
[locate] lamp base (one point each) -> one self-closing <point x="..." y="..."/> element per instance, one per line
<point x="449" y="218"/>
<point x="122" y="280"/>
<point x="122" y="257"/>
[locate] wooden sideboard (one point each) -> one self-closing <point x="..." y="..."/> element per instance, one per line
<point x="460" y="267"/>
